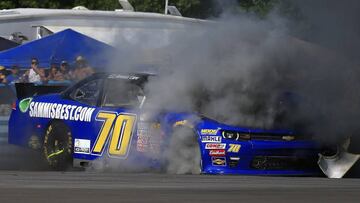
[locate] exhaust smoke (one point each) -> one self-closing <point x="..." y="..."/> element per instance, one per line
<point x="247" y="71"/>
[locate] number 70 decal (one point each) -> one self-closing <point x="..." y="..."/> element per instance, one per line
<point x="121" y="127"/>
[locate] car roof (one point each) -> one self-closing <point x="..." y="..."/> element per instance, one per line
<point x="126" y="76"/>
<point x="135" y="78"/>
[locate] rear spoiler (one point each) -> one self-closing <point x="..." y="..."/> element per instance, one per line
<point x="24" y="90"/>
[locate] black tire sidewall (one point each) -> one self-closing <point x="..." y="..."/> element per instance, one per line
<point x="59" y="131"/>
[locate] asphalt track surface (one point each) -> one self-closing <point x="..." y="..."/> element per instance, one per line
<point x="25" y="178"/>
<point x="16" y="186"/>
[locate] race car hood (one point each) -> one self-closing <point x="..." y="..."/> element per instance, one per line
<point x="215" y="124"/>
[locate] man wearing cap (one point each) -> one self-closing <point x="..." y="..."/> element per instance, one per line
<point x="64" y="70"/>
<point x="82" y="70"/>
<point x="2" y="74"/>
<point x="14" y="76"/>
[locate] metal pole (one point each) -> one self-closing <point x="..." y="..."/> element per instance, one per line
<point x="38" y="32"/>
<point x="166" y="6"/>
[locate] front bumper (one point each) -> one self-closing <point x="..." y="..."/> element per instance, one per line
<point x="289" y="158"/>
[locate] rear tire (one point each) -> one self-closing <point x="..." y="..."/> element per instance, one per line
<point x="183" y="154"/>
<point x="57" y="147"/>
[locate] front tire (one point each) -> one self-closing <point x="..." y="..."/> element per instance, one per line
<point x="57" y="147"/>
<point x="183" y="154"/>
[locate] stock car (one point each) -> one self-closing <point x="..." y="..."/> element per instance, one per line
<point x="105" y="117"/>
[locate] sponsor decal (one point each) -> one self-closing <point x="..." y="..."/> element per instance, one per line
<point x="143" y="129"/>
<point x="156" y="126"/>
<point x="209" y="131"/>
<point x="234" y="161"/>
<point x="148" y="137"/>
<point x="211" y="139"/>
<point x="143" y="133"/>
<point x="288" y="138"/>
<point x="234" y="158"/>
<point x="141" y="147"/>
<point x="143" y="126"/>
<point x="183" y="123"/>
<point x="218" y="161"/>
<point x="235" y="148"/>
<point x="179" y="123"/>
<point x="119" y="76"/>
<point x="82" y="146"/>
<point x="148" y="126"/>
<point x="142" y="143"/>
<point x="24" y="104"/>
<point x="60" y="111"/>
<point x="215" y="146"/>
<point x="217" y="152"/>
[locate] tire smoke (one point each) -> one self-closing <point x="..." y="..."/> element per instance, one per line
<point x="246" y="71"/>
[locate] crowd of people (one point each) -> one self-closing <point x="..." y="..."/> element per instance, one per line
<point x="55" y="74"/>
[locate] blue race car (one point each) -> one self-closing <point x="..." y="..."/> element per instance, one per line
<point x="103" y="117"/>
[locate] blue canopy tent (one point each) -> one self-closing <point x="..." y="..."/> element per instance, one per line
<point x="7" y="44"/>
<point x="64" y="45"/>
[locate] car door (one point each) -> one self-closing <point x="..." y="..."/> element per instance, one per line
<point x="117" y="115"/>
<point x="114" y="121"/>
<point x="84" y="127"/>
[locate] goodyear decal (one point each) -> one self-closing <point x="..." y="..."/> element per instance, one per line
<point x="60" y="111"/>
<point x="218" y="161"/>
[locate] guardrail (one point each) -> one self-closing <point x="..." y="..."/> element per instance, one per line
<point x="7" y="94"/>
<point x="3" y="128"/>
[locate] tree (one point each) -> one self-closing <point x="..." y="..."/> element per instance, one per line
<point x="260" y="7"/>
<point x="6" y="4"/>
<point x="98" y="4"/>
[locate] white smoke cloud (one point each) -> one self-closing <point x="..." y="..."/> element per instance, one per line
<point x="246" y="71"/>
<point x="230" y="72"/>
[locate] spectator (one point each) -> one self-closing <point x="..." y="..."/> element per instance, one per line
<point x="82" y="70"/>
<point x="2" y="74"/>
<point x="53" y="72"/>
<point x="14" y="76"/>
<point x="35" y="74"/>
<point x="63" y="73"/>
